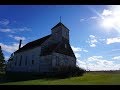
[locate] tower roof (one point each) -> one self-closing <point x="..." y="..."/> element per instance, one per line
<point x="59" y="24"/>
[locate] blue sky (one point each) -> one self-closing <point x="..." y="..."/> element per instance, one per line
<point x="94" y="30"/>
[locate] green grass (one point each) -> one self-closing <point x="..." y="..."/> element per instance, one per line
<point x="91" y="78"/>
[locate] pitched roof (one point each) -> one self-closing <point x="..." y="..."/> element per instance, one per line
<point x="59" y="24"/>
<point x="59" y="48"/>
<point x="33" y="44"/>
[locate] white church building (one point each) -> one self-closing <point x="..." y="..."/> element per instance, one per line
<point x="43" y="54"/>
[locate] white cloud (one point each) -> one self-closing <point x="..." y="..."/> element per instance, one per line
<point x="13" y="30"/>
<point x="17" y="37"/>
<point x="10" y="36"/>
<point x="81" y="20"/>
<point x="116" y="58"/>
<point x="92" y="41"/>
<point x="106" y="12"/>
<point x="76" y="49"/>
<point x="94" y="58"/>
<point x="7" y="57"/>
<point x="4" y="22"/>
<point x="77" y="55"/>
<point x="98" y="63"/>
<point x="85" y="50"/>
<point x="92" y="36"/>
<point x="101" y="64"/>
<point x="115" y="50"/>
<point x="113" y="40"/>
<point x="92" y="45"/>
<point x="22" y="29"/>
<point x="81" y="64"/>
<point x="6" y="30"/>
<point x="102" y="40"/>
<point x="90" y="18"/>
<point x="94" y="18"/>
<point x="10" y="48"/>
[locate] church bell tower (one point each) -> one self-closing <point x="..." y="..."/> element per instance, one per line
<point x="59" y="32"/>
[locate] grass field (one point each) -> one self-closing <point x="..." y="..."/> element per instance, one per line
<point x="91" y="78"/>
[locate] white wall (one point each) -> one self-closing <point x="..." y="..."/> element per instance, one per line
<point x="35" y="53"/>
<point x="45" y="63"/>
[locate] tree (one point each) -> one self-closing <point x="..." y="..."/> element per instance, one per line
<point x="2" y="60"/>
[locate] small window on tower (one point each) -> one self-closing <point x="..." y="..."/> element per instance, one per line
<point x="66" y="33"/>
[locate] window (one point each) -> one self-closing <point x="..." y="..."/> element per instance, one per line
<point x="26" y="60"/>
<point x="65" y="33"/>
<point x="65" y="45"/>
<point x="32" y="59"/>
<point x="10" y="64"/>
<point x="65" y="60"/>
<point x="16" y="61"/>
<point x="20" y="60"/>
<point x="57" y="61"/>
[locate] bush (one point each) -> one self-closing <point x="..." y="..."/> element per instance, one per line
<point x="68" y="71"/>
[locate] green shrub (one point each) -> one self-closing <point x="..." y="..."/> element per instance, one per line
<point x="68" y="71"/>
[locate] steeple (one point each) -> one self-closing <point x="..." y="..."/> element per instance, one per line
<point x="58" y="25"/>
<point x="60" y="31"/>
